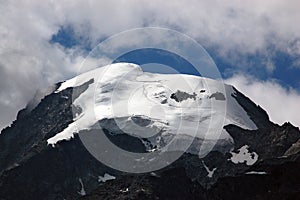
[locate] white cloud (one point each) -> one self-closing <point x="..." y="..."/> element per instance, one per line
<point x="28" y="61"/>
<point x="281" y="104"/>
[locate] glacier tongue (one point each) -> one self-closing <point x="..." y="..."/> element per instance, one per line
<point x="148" y="105"/>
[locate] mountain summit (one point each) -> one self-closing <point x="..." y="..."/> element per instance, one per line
<point x="155" y="107"/>
<point x="226" y="142"/>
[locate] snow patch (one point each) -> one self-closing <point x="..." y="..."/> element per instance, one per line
<point x="66" y="84"/>
<point x="106" y="177"/>
<point x="67" y="134"/>
<point x="125" y="191"/>
<point x="210" y="172"/>
<point x="154" y="174"/>
<point x="82" y="191"/>
<point x="244" y="156"/>
<point x="258" y="173"/>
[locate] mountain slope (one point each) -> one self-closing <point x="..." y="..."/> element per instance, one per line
<point x="41" y="159"/>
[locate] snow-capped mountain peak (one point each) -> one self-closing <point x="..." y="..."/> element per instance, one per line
<point x="162" y="108"/>
<point x="231" y="141"/>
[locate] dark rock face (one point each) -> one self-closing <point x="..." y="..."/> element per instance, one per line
<point x="180" y="96"/>
<point x="272" y="177"/>
<point x="30" y="169"/>
<point x="171" y="184"/>
<point x="218" y="96"/>
<point x="281" y="183"/>
<point x="258" y="115"/>
<point x="44" y="121"/>
<point x="52" y="173"/>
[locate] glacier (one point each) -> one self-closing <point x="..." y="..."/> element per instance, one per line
<point x="159" y="107"/>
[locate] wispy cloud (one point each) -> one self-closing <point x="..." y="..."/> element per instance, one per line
<point x="282" y="104"/>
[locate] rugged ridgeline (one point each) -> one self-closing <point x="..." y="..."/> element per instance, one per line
<point x="259" y="163"/>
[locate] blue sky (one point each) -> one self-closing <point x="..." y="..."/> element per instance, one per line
<point x="285" y="71"/>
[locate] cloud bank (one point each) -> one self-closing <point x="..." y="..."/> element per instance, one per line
<point x="235" y="28"/>
<point x="282" y="104"/>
